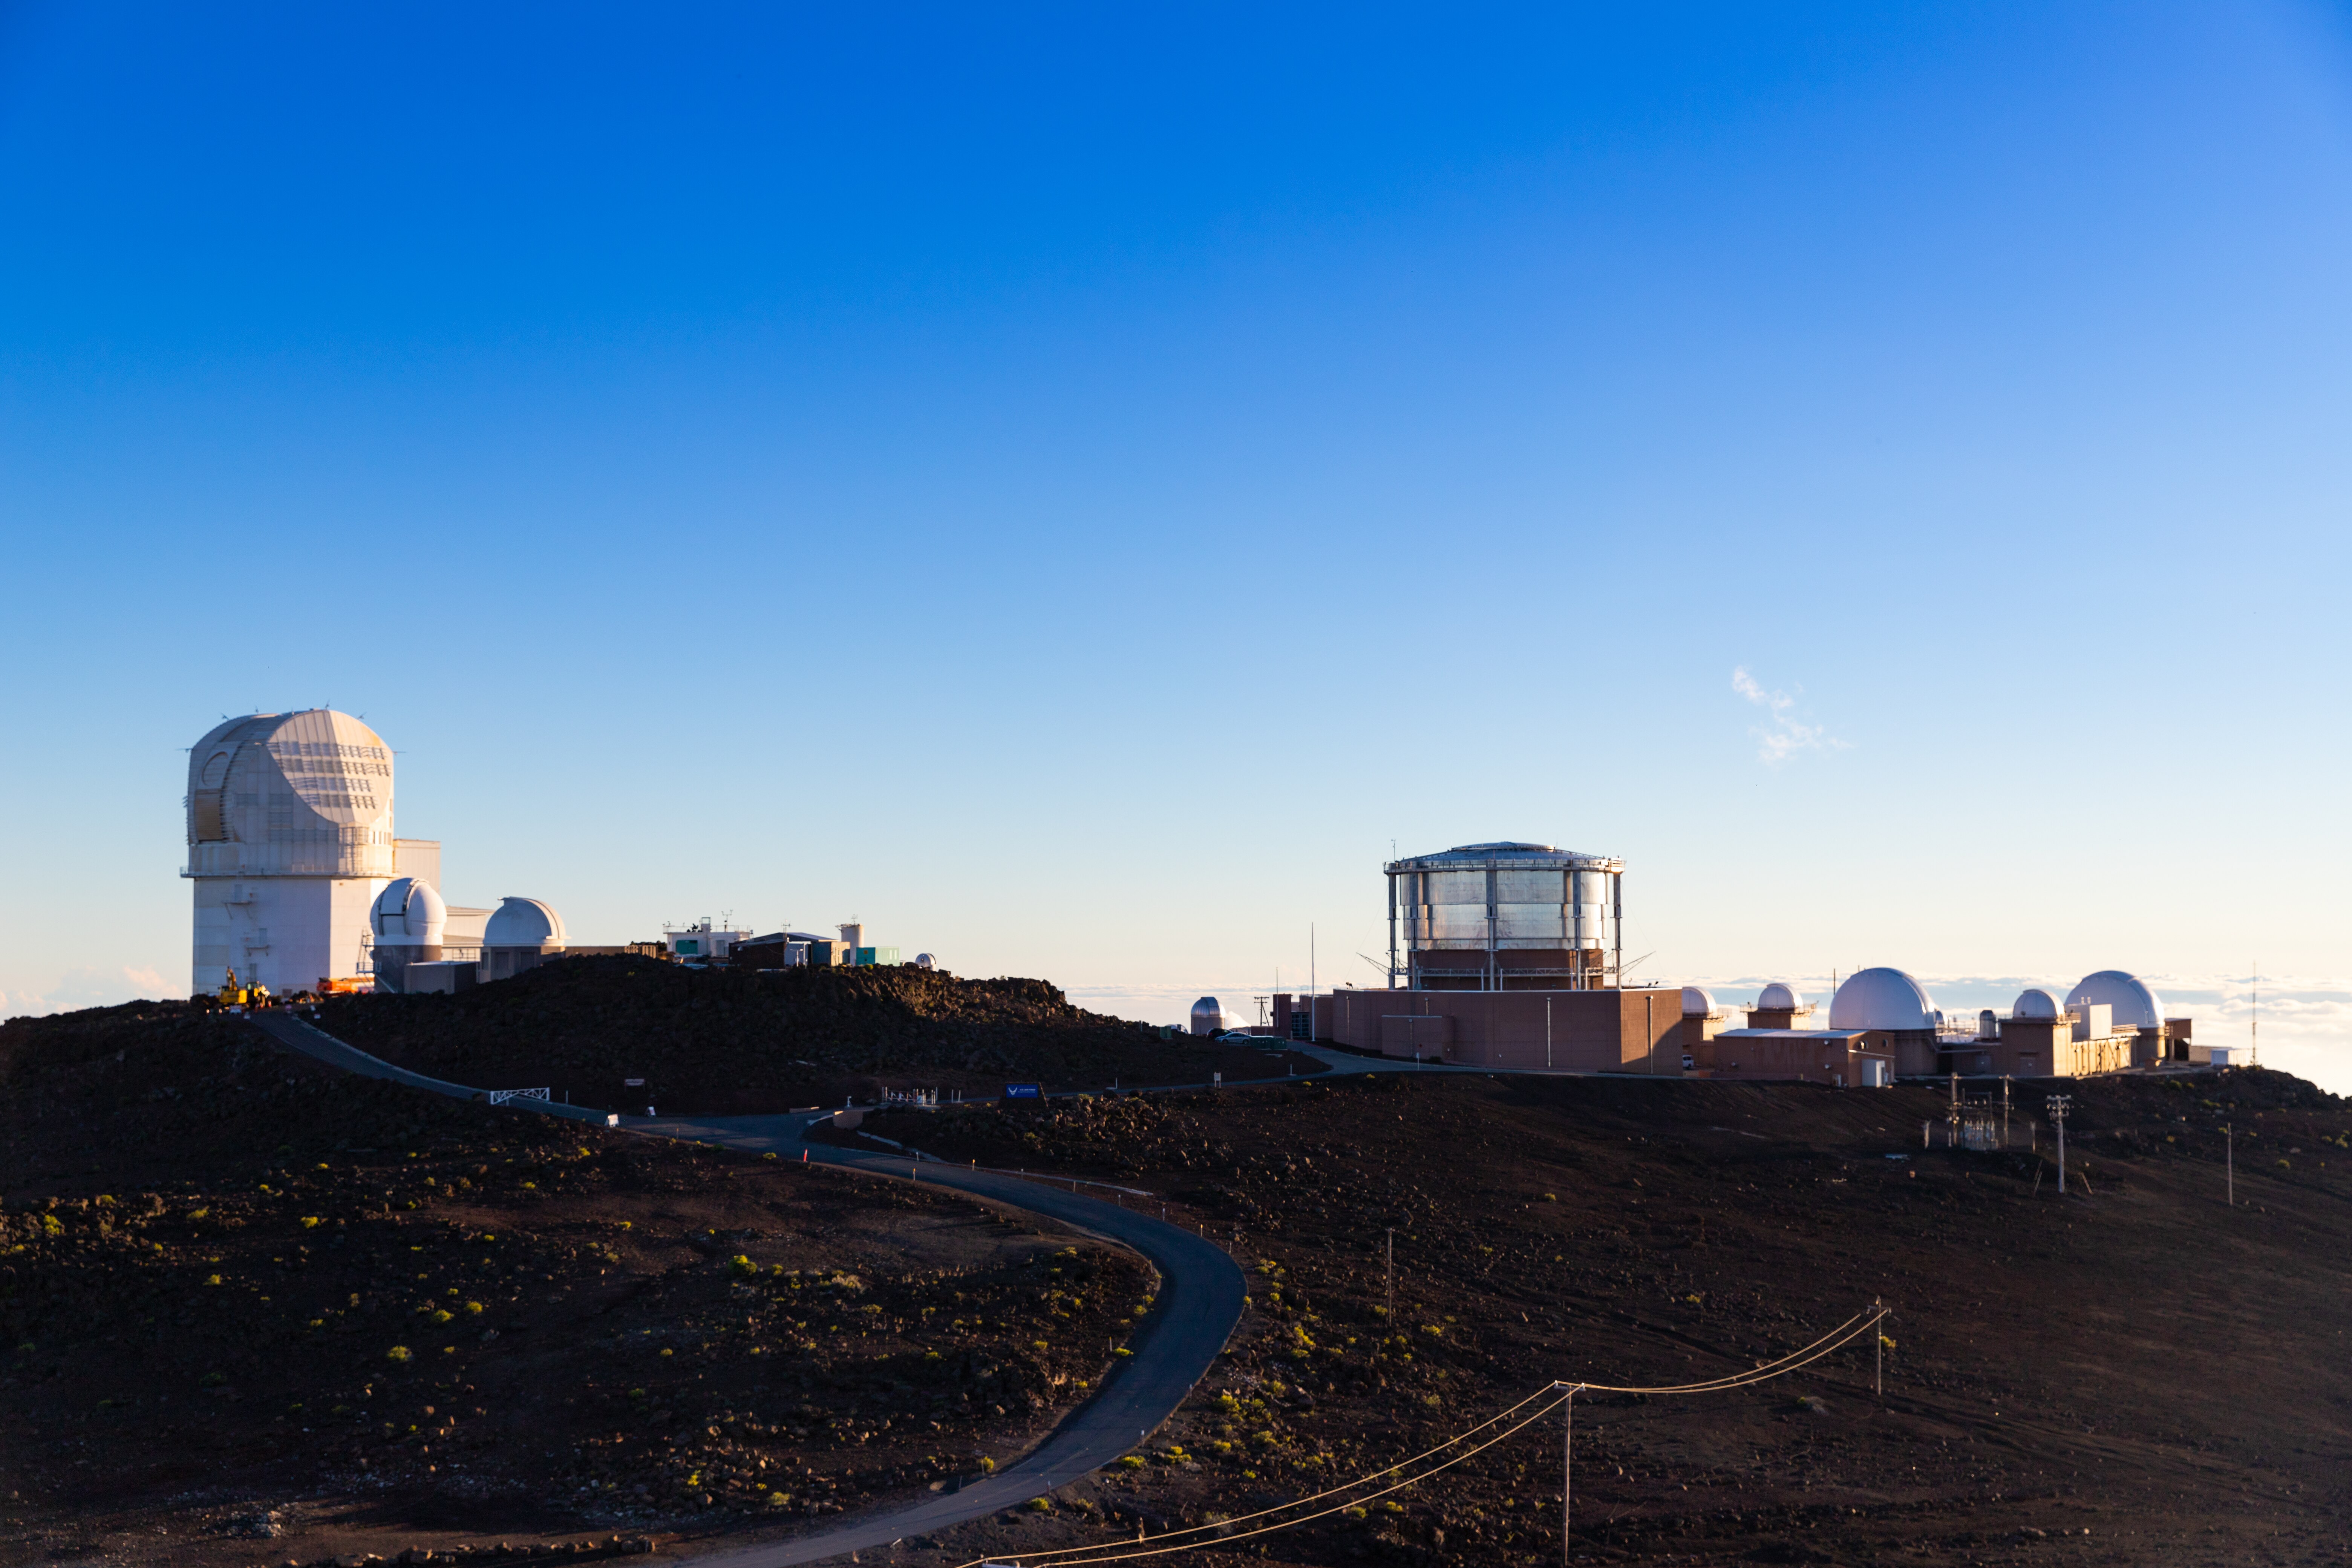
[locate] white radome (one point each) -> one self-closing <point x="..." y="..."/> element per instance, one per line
<point x="524" y="922"/>
<point x="408" y="913"/>
<point x="1882" y="999"/>
<point x="1696" y="1003"/>
<point x="1777" y="997"/>
<point x="2133" y="1006"/>
<point x="925" y="961"/>
<point x="2034" y="1003"/>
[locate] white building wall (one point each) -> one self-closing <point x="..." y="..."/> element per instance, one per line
<point x="417" y="857"/>
<point x="288" y="933"/>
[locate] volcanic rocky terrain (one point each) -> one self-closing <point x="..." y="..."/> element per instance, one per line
<point x="2138" y="1372"/>
<point x="255" y="1312"/>
<point x="630" y="1032"/>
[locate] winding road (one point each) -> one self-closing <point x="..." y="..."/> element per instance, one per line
<point x="1200" y="1301"/>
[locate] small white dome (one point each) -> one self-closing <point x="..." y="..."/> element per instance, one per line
<point x="2135" y="1006"/>
<point x="925" y="961"/>
<point x="2034" y="1004"/>
<point x="1696" y="1003"/>
<point x="1777" y="996"/>
<point x="409" y="913"/>
<point x="524" y="922"/>
<point x="1882" y="999"/>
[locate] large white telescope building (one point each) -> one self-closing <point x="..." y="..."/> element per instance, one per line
<point x="289" y="841"/>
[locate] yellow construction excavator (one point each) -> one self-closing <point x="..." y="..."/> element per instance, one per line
<point x="231" y="994"/>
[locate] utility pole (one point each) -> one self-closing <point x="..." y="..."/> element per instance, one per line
<point x="2230" y="1161"/>
<point x="1567" y="1459"/>
<point x="2058" y="1117"/>
<point x="1878" y="1349"/>
<point x="2004" y="1110"/>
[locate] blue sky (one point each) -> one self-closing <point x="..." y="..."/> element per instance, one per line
<point x="1075" y="487"/>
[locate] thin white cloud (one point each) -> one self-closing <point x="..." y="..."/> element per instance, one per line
<point x="1783" y="734"/>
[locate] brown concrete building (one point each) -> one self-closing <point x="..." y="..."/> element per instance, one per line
<point x="1613" y="1030"/>
<point x="2041" y="1038"/>
<point x="1845" y="1058"/>
<point x="1702" y="1021"/>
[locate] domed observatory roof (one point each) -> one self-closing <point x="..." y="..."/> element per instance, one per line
<point x="408" y="919"/>
<point x="925" y="961"/>
<point x="520" y="933"/>
<point x="1696" y="1003"/>
<point x="2036" y="1003"/>
<point x="1779" y="998"/>
<point x="290" y="795"/>
<point x="2135" y="1006"/>
<point x="524" y="922"/>
<point x="1210" y="1017"/>
<point x="408" y="913"/>
<point x="1882" y="999"/>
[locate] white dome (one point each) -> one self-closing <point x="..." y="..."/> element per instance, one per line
<point x="1209" y="1016"/>
<point x="2034" y="1004"/>
<point x="1777" y="997"/>
<point x="409" y="913"/>
<point x="290" y="795"/>
<point x="2136" y="1006"/>
<point x="524" y="922"/>
<point x="1696" y="1003"/>
<point x="1882" y="999"/>
<point x="925" y="961"/>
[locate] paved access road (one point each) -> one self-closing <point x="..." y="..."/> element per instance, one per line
<point x="1200" y="1301"/>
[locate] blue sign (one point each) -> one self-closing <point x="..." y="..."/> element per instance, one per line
<point x="1023" y="1091"/>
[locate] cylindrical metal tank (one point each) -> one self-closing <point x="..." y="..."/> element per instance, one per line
<point x="1210" y="1017"/>
<point x="1491" y="916"/>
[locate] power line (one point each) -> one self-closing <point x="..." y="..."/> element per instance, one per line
<point x="1080" y="1556"/>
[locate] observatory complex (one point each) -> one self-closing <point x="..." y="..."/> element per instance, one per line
<point x="1504" y="955"/>
<point x="300" y="883"/>
<point x="1512" y="955"/>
